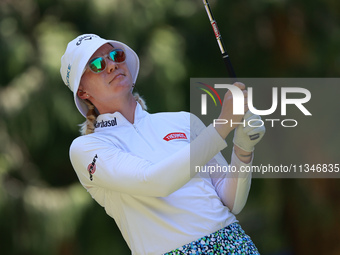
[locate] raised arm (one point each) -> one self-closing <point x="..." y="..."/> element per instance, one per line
<point x="123" y="172"/>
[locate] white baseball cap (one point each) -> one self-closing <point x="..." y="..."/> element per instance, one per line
<point x="77" y="55"/>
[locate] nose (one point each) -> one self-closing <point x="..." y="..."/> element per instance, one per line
<point x="111" y="65"/>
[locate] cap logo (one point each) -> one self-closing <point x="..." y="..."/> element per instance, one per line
<point x="86" y="37"/>
<point x="68" y="76"/>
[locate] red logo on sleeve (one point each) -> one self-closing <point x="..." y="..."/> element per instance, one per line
<point x="176" y="135"/>
<point x="91" y="168"/>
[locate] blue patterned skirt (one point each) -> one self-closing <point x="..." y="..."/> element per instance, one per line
<point x="229" y="240"/>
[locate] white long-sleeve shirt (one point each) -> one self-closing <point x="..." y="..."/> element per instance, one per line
<point x="143" y="174"/>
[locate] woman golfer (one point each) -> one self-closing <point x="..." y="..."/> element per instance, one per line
<point x="140" y="166"/>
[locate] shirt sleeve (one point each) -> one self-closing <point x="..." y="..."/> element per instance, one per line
<point x="231" y="183"/>
<point x="124" y="172"/>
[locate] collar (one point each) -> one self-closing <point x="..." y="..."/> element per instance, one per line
<point x="109" y="120"/>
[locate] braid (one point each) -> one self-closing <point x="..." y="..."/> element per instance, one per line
<point x="88" y="126"/>
<point x="140" y="100"/>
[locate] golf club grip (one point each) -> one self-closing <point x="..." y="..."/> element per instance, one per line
<point x="228" y="64"/>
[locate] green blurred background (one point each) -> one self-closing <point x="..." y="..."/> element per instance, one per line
<point x="43" y="208"/>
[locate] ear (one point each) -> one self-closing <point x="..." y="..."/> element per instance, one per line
<point x="82" y="94"/>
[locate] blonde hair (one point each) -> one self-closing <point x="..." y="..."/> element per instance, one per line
<point x="91" y="117"/>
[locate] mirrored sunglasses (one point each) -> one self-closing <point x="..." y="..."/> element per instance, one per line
<point x="99" y="64"/>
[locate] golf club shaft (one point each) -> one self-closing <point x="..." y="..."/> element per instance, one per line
<point x="224" y="53"/>
<point x="220" y="43"/>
